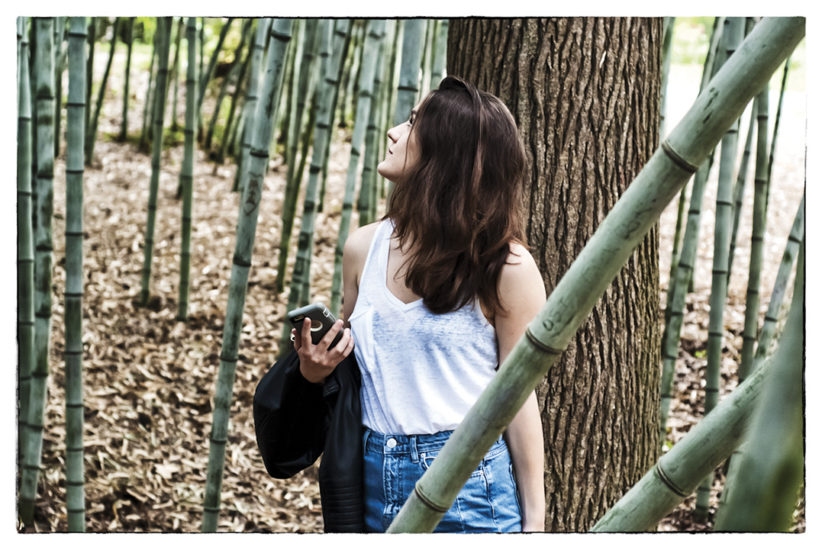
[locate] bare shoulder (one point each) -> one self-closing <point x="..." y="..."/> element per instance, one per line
<point x="356" y="248"/>
<point x="520" y="281"/>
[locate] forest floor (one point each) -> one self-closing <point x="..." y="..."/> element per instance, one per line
<point x="149" y="379"/>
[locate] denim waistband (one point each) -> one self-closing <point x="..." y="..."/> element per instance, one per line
<point x="400" y="444"/>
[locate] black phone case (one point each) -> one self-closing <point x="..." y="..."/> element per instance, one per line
<point x="321" y="321"/>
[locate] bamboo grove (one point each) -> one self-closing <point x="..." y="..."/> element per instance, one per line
<point x="282" y="89"/>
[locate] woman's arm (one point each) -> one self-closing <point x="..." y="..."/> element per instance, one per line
<point x="523" y="294"/>
<point x="317" y="361"/>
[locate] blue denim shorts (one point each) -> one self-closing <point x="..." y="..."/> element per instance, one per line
<point x="488" y="503"/>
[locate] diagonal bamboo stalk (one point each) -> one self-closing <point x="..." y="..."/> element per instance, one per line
<point x="375" y="33"/>
<point x="731" y="38"/>
<point x="243" y="248"/>
<point x="769" y="471"/>
<point x="75" y="141"/>
<point x="589" y="276"/>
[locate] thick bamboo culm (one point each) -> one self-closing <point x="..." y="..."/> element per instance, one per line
<point x="43" y="78"/>
<point x="707" y="73"/>
<point x="732" y="36"/>
<point x="769" y="472"/>
<point x="768" y="331"/>
<point x="243" y="248"/>
<point x="250" y="104"/>
<point x="124" y="123"/>
<point x="76" y="112"/>
<point x="739" y="188"/>
<point x="25" y="238"/>
<point x="440" y="49"/>
<point x="750" y="332"/>
<point x="101" y="93"/>
<point x="589" y="276"/>
<point x="374" y="35"/>
<point x="187" y="169"/>
<point x="330" y="47"/>
<point x="164" y="33"/>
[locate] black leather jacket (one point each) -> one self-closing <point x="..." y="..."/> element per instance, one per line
<point x="296" y="421"/>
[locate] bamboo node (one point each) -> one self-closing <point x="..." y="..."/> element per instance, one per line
<point x="668" y="482"/>
<point x="428" y="502"/>
<point x="677" y="158"/>
<point x="541" y="345"/>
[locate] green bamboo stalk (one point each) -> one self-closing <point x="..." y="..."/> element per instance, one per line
<point x="75" y="471"/>
<point x="776" y="129"/>
<point x="750" y="331"/>
<point x="677" y="473"/>
<point x="667" y="42"/>
<point x="232" y="72"/>
<point x="175" y="72"/>
<point x="44" y="205"/>
<point x="187" y="170"/>
<point x="302" y="85"/>
<point x="739" y="188"/>
<point x="147" y="106"/>
<point x="92" y="40"/>
<point x="682" y="266"/>
<point x="230" y="132"/>
<point x="571" y="301"/>
<point x="707" y="73"/>
<point x="205" y="77"/>
<point x="293" y="58"/>
<point x="439" y="48"/>
<point x="425" y="72"/>
<point x="246" y="228"/>
<point x="731" y="37"/>
<point x="164" y="32"/>
<point x="410" y="60"/>
<point x="124" y="124"/>
<point x="25" y="242"/>
<point x="59" y="66"/>
<point x="393" y="83"/>
<point x="368" y="181"/>
<point x="250" y="104"/>
<point x="341" y="76"/>
<point x="770" y="472"/>
<point x="91" y="137"/>
<point x="201" y="44"/>
<point x="374" y="35"/>
<point x="768" y="331"/>
<point x="330" y="33"/>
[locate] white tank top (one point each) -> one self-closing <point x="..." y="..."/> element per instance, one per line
<point x="421" y="371"/>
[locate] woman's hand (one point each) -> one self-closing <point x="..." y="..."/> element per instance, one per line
<point x="317" y="361"/>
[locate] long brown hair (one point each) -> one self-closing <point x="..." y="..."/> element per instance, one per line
<point x="459" y="209"/>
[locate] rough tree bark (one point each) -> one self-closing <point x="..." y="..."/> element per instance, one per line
<point x="585" y="95"/>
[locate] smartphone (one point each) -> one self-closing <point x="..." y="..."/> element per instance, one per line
<point x="321" y="321"/>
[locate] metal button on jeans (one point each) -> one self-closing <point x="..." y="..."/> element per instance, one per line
<point x="391" y="443"/>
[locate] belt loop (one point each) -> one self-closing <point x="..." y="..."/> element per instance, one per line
<point x="412" y="441"/>
<point x="365" y="433"/>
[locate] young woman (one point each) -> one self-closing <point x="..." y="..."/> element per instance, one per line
<point x="436" y="295"/>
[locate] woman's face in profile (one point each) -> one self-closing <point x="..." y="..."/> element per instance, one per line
<point x="403" y="152"/>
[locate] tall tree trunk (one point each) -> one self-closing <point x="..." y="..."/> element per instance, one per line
<point x="585" y="95"/>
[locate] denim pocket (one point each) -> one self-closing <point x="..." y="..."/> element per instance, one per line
<point x="427" y="458"/>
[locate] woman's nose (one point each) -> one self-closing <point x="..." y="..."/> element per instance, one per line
<point x="393" y="133"/>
